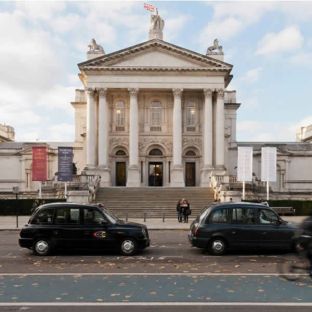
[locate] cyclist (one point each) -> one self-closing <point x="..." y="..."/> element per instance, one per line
<point x="307" y="230"/>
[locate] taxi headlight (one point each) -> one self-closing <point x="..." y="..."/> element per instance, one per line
<point x="144" y="232"/>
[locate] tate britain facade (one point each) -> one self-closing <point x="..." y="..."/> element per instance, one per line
<point x="159" y="115"/>
<point x="155" y="114"/>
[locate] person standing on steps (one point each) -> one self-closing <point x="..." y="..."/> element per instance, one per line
<point x="179" y="209"/>
<point x="186" y="210"/>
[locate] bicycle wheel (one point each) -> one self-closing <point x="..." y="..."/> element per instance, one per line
<point x="293" y="269"/>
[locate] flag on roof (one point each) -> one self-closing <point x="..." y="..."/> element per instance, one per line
<point x="149" y="7"/>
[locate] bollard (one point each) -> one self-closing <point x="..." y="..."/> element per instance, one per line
<point x="144" y="217"/>
<point x="163" y="217"/>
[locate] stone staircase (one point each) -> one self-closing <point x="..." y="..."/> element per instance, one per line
<point x="154" y="202"/>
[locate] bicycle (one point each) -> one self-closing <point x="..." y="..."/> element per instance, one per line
<point x="298" y="267"/>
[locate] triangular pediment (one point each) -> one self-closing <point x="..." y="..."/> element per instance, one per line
<point x="155" y="54"/>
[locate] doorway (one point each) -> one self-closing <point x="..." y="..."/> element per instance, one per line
<point x="155" y="174"/>
<point x="190" y="174"/>
<point x="121" y="173"/>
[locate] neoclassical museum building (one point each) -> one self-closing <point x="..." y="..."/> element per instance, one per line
<point x="157" y="115"/>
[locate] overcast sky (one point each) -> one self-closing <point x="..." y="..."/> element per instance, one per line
<point x="269" y="44"/>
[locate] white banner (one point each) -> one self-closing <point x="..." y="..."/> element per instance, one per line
<point x="244" y="163"/>
<point x="268" y="164"/>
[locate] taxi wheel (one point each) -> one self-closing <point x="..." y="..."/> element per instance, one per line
<point x="42" y="247"/>
<point x="128" y="247"/>
<point x="217" y="246"/>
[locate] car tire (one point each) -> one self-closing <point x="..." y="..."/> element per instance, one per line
<point x="217" y="246"/>
<point x="128" y="247"/>
<point x="42" y="247"/>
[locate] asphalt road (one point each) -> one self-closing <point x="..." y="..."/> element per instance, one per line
<point x="168" y="276"/>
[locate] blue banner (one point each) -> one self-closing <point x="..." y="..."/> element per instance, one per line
<point x="65" y="164"/>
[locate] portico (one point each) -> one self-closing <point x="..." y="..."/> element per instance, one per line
<point x="99" y="134"/>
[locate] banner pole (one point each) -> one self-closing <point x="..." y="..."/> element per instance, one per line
<point x="65" y="191"/>
<point x="40" y="193"/>
<point x="267" y="189"/>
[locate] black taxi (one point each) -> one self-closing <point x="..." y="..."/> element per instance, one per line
<point x="242" y="225"/>
<point x="79" y="226"/>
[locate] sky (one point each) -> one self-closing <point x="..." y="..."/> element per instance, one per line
<point x="268" y="43"/>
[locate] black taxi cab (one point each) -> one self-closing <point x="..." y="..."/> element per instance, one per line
<point x="80" y="226"/>
<point x="244" y="225"/>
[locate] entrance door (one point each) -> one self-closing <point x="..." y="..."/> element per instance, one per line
<point x="120" y="173"/>
<point x="190" y="177"/>
<point x="155" y="174"/>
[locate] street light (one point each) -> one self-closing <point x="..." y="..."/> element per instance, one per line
<point x="15" y="190"/>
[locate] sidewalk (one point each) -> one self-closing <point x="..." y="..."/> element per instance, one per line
<point x="9" y="223"/>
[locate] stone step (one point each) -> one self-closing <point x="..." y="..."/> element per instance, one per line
<point x="152" y="201"/>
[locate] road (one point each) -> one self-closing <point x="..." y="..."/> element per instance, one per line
<point x="168" y="276"/>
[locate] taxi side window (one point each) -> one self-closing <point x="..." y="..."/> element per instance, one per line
<point x="219" y="216"/>
<point x="244" y="216"/>
<point x="44" y="216"/>
<point x="267" y="216"/>
<point x="93" y="216"/>
<point x="67" y="215"/>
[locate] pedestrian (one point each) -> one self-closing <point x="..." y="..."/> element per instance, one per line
<point x="186" y="210"/>
<point x="179" y="210"/>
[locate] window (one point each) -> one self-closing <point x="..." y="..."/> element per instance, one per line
<point x="67" y="215"/>
<point x="155" y="116"/>
<point x="121" y="153"/>
<point x="219" y="216"/>
<point x="267" y="216"/>
<point x="155" y="152"/>
<point x="92" y="216"/>
<point x="120" y="116"/>
<point x="191" y="117"/>
<point x="44" y="216"/>
<point x="244" y="216"/>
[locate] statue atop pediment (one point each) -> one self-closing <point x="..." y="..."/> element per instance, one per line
<point x="156" y="27"/>
<point x="95" y="49"/>
<point x="215" y="49"/>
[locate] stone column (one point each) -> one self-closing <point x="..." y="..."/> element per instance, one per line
<point x="177" y="178"/>
<point x="91" y="129"/>
<point x="220" y="130"/>
<point x="103" y="139"/>
<point x="207" y="139"/>
<point x="133" y="179"/>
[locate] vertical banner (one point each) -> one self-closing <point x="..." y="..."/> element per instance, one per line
<point x="268" y="164"/>
<point x="65" y="164"/>
<point x="244" y="164"/>
<point x="39" y="163"/>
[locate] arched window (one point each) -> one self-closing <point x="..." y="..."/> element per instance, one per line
<point x="190" y="153"/>
<point x="120" y="116"/>
<point x="155" y="152"/>
<point x="120" y="153"/>
<point x="155" y="116"/>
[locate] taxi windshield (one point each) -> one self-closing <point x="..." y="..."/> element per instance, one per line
<point x="109" y="215"/>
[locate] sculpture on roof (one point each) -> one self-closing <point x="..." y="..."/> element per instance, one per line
<point x="95" y="48"/>
<point x="215" y="48"/>
<point x="156" y="27"/>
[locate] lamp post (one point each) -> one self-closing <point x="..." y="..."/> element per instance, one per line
<point x="15" y="191"/>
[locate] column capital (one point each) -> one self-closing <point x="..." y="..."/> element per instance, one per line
<point x="102" y="91"/>
<point x="177" y="92"/>
<point x="207" y="92"/>
<point x="133" y="91"/>
<point x="90" y="91"/>
<point x="220" y="93"/>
